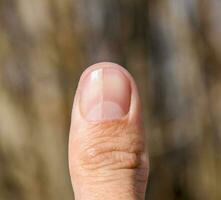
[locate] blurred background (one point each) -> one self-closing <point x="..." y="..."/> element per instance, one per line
<point x="171" y="47"/>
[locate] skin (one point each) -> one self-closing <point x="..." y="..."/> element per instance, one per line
<point x="108" y="158"/>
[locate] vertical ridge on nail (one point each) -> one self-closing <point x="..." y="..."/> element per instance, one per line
<point x="106" y="94"/>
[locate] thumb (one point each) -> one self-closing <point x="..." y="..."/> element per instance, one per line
<point x="107" y="157"/>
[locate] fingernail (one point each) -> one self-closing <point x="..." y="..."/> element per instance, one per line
<point x="105" y="95"/>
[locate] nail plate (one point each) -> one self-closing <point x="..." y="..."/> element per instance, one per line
<point x="105" y="95"/>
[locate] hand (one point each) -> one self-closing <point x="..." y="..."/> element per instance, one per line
<point x="107" y="157"/>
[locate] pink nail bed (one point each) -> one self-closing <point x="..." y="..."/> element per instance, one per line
<point x="105" y="95"/>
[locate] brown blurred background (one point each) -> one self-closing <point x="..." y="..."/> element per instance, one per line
<point x="172" y="48"/>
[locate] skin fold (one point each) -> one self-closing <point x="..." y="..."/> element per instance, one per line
<point x="107" y="155"/>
